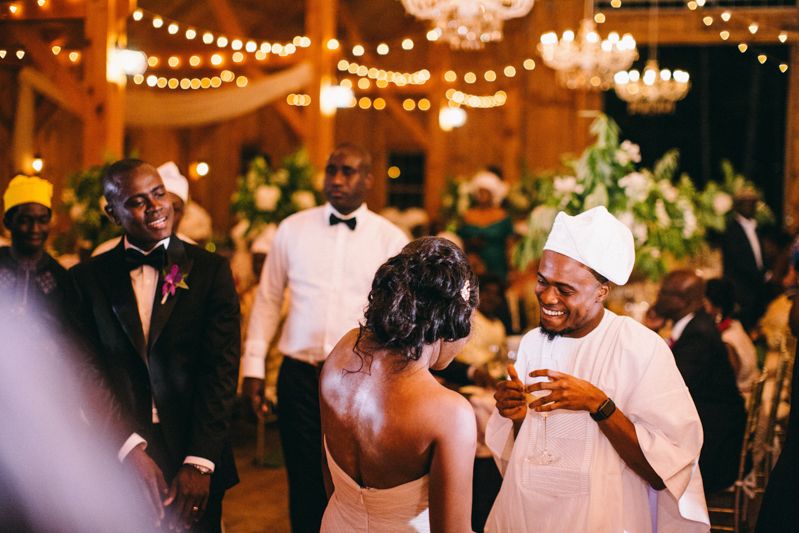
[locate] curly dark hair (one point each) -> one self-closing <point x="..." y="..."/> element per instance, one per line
<point x="416" y="298"/>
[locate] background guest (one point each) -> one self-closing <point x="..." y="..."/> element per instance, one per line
<point x="720" y="304"/>
<point x="487" y="227"/>
<point x="704" y="363"/>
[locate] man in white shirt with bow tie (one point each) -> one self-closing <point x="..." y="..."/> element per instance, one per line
<point x="326" y="257"/>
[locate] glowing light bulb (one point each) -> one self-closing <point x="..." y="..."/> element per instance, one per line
<point x="190" y="34"/>
<point x="137" y="15"/>
<point x="407" y="44"/>
<point x="332" y="44"/>
<point x="173" y="29"/>
<point x="158" y="22"/>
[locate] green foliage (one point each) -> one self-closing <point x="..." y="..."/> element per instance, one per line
<point x="264" y="196"/>
<point x="83" y="201"/>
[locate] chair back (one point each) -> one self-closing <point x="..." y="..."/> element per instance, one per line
<point x="753" y="409"/>
<point x="784" y="371"/>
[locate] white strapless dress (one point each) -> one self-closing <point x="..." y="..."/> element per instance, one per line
<point x="355" y="509"/>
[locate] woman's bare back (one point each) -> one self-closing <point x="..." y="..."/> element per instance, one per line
<point x="382" y="421"/>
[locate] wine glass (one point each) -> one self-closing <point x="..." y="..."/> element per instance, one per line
<point x="546" y="456"/>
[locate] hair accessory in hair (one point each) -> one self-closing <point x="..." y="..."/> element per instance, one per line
<point x="466" y="291"/>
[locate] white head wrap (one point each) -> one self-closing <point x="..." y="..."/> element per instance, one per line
<point x="173" y="181"/>
<point x="490" y="182"/>
<point x="596" y="239"/>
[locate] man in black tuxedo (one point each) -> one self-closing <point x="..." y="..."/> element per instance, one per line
<point x="702" y="359"/>
<point x="743" y="259"/>
<point x="164" y="316"/>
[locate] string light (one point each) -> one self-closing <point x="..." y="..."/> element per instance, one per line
<point x="173" y="29"/>
<point x="41" y="3"/>
<point x="382" y="49"/>
<point x="190" y="34"/>
<point x="470" y="77"/>
<point x="238" y="57"/>
<point x="599" y="18"/>
<point x="2" y="54"/>
<point x="20" y="54"/>
<point x="74" y="56"/>
<point x="174" y="61"/>
<point x="753" y="28"/>
<point x="365" y="103"/>
<point x="742" y="47"/>
<point x="379" y="104"/>
<point x="152" y="61"/>
<point x="724" y="35"/>
<point x="615" y="4"/>
<point x="708" y="21"/>
<point x="241" y="81"/>
<point x="510" y="71"/>
<point x="762" y="58"/>
<point x="783" y="67"/>
<point x="450" y="76"/>
<point x="208" y="38"/>
<point x="56" y="50"/>
<point x="472" y="100"/>
<point x="407" y="44"/>
<point x="726" y="16"/>
<point x="332" y="44"/>
<point x="783" y="37"/>
<point x="529" y="64"/>
<point x="158" y="22"/>
<point x="13" y="8"/>
<point x="363" y="83"/>
<point x="424" y="104"/>
<point x="137" y="15"/>
<point x="221" y="41"/>
<point x="251" y="46"/>
<point x="152" y="80"/>
<point x="490" y="75"/>
<point x="194" y="61"/>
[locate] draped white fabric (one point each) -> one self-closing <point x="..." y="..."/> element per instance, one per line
<point x="179" y="108"/>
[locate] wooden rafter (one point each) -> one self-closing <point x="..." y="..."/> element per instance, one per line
<point x="417" y="131"/>
<point x="72" y="94"/>
<point x="295" y="119"/>
<point x="688" y="28"/>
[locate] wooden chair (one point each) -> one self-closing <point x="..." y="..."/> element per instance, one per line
<point x="733" y="503"/>
<point x="782" y="379"/>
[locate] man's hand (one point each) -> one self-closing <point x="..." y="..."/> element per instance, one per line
<point x="568" y="392"/>
<point x="253" y="390"/>
<point x="510" y="397"/>
<point x="153" y="479"/>
<point x="188" y="496"/>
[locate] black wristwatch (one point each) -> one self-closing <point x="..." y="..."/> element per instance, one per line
<point x="605" y="410"/>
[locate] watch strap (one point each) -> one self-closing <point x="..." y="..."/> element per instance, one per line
<point x="605" y="410"/>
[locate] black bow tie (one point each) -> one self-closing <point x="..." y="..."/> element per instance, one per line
<point x="134" y="258"/>
<point x="350" y="222"/>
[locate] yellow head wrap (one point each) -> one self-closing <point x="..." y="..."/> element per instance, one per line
<point x="24" y="189"/>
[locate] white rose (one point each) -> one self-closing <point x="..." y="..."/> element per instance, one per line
<point x="77" y="212"/>
<point x="567" y="185"/>
<point x="281" y="177"/>
<point x="636" y="186"/>
<point x="690" y="224"/>
<point x="660" y="212"/>
<point x="632" y="150"/>
<point x="669" y="191"/>
<point x="628" y="219"/>
<point x="722" y="203"/>
<point x="266" y="197"/>
<point x="622" y="157"/>
<point x="303" y="199"/>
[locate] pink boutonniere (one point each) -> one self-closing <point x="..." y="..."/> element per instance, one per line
<point x="172" y="281"/>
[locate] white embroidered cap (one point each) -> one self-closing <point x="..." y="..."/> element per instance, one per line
<point x="174" y="181"/>
<point x="596" y="239"/>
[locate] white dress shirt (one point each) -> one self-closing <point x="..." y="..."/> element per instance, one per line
<point x="328" y="271"/>
<point x="750" y="229"/>
<point x="679" y="326"/>
<point x="145" y="280"/>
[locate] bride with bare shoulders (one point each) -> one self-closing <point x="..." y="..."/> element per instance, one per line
<point x="400" y="446"/>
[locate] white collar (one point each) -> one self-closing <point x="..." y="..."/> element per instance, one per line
<point x="748" y="224"/>
<point x="330" y="210"/>
<point x="128" y="245"/>
<point x="679" y="326"/>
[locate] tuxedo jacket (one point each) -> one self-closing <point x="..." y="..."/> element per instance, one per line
<point x="702" y="359"/>
<point x="189" y="366"/>
<point x="740" y="264"/>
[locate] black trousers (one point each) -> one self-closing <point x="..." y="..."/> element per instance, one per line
<point x="211" y="521"/>
<point x="300" y="426"/>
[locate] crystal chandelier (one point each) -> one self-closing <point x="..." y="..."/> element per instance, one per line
<point x="654" y="93"/>
<point x="587" y="61"/>
<point x="467" y="24"/>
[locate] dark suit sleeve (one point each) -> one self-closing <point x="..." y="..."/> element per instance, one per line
<point x="81" y="341"/>
<point x="219" y="368"/>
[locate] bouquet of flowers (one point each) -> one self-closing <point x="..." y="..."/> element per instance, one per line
<point x="84" y="203"/>
<point x="264" y="196"/>
<point x="661" y="216"/>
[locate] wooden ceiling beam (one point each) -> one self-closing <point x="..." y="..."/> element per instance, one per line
<point x="295" y="119"/>
<point x="49" y="11"/>
<point x="70" y="88"/>
<point x="227" y="18"/>
<point x="688" y="28"/>
<point x="417" y="131"/>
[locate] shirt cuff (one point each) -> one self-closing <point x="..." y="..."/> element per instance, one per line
<point x="252" y="366"/>
<point x="192" y="460"/>
<point x="133" y="441"/>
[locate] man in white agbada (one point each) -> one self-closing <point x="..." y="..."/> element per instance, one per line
<point x="622" y="435"/>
